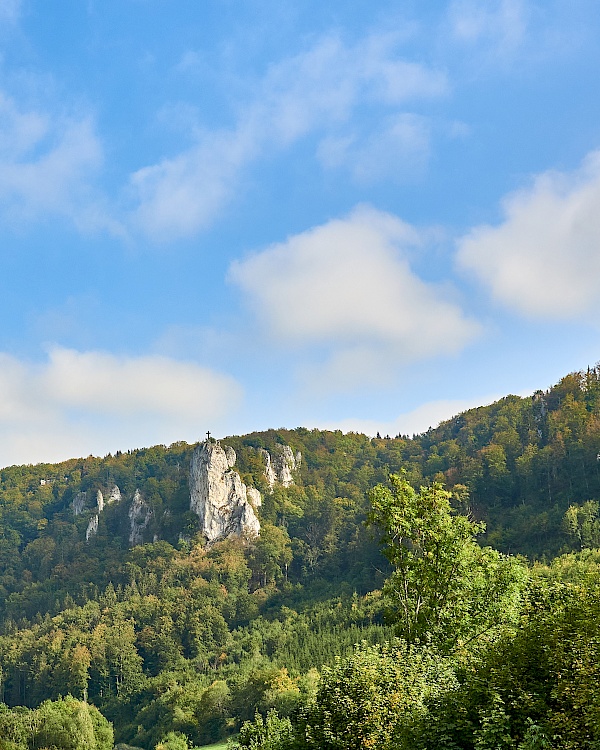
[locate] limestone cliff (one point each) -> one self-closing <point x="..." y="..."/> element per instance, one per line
<point x="140" y="514"/>
<point x="279" y="466"/>
<point x="115" y="495"/>
<point x="254" y="497"/>
<point x="284" y="463"/>
<point x="219" y="497"/>
<point x="92" y="528"/>
<point x="270" y="475"/>
<point x="79" y="503"/>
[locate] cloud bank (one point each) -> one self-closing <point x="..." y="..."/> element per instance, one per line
<point x="543" y="260"/>
<point x="93" y="402"/>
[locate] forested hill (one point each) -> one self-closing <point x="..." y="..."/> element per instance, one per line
<point x="523" y="462"/>
<point x="163" y="633"/>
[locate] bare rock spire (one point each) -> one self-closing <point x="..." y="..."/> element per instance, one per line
<point x="218" y="496"/>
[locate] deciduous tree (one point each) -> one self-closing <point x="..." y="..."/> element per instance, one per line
<point x="444" y="585"/>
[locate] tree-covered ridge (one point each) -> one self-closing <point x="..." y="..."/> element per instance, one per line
<point x="519" y="458"/>
<point x="175" y="636"/>
<point x="524" y="460"/>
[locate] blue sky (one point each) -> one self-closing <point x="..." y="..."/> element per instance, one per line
<point x="234" y="216"/>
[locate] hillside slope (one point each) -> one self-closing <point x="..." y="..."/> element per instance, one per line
<point x="171" y="634"/>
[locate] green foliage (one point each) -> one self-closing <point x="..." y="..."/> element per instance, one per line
<point x="173" y="741"/>
<point x="67" y="724"/>
<point x="271" y="555"/>
<point x="174" y="637"/>
<point x="534" y="738"/>
<point x="272" y="733"/>
<point x="103" y="731"/>
<point x="16" y="727"/>
<point x="582" y="524"/>
<point x="376" y="698"/>
<point x="534" y="687"/>
<point x="443" y="584"/>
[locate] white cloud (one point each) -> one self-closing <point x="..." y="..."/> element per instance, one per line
<point x="543" y="260"/>
<point x="47" y="165"/>
<point x="311" y="93"/>
<point x="347" y="287"/>
<point x="413" y="422"/>
<point x="94" y="402"/>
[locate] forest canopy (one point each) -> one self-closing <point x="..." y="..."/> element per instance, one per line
<point x="461" y="561"/>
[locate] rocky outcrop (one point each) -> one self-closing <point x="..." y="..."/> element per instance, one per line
<point x="218" y="496"/>
<point x="254" y="497"/>
<point x="115" y="496"/>
<point x="284" y="463"/>
<point x="92" y="528"/>
<point x="270" y="475"/>
<point x="79" y="503"/>
<point x="140" y="514"/>
<point x="279" y="466"/>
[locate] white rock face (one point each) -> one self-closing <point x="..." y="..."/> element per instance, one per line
<point x="79" y="503"/>
<point x="231" y="457"/>
<point x="115" y="496"/>
<point x="284" y="463"/>
<point x="279" y="468"/>
<point x="100" y="501"/>
<point x="92" y="528"/>
<point x="269" y="472"/>
<point x="140" y="514"/>
<point x="218" y="496"/>
<point x="254" y="497"/>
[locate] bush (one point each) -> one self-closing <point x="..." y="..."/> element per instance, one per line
<point x="272" y="733"/>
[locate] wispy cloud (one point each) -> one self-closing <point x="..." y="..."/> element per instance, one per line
<point x="347" y="289"/>
<point x="83" y="402"/>
<point x="543" y="260"/>
<point x="316" y="92"/>
<point x="500" y="26"/>
<point x="325" y="85"/>
<point x="499" y="35"/>
<point x="47" y="166"/>
<point x="398" y="148"/>
<point x="180" y="196"/>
